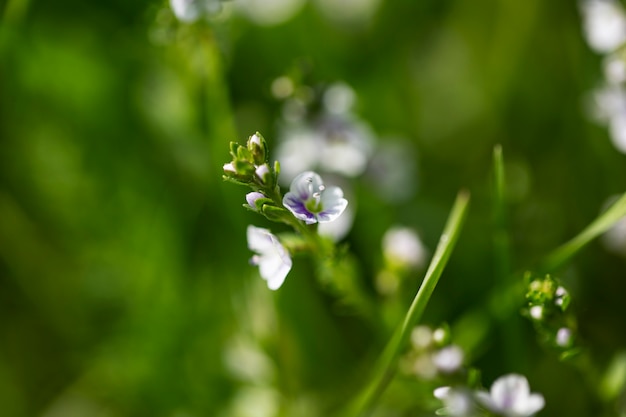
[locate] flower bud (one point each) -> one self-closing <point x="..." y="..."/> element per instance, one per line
<point x="258" y="148"/>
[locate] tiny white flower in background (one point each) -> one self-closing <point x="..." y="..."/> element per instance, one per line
<point x="421" y="337"/>
<point x="617" y="130"/>
<point x="271" y="257"/>
<point x="614" y="69"/>
<point x="604" y="23"/>
<point x="339" y="98"/>
<point x="402" y="245"/>
<point x="311" y="201"/>
<point x="536" y="312"/>
<point x="191" y="10"/>
<point x="457" y="402"/>
<point x="563" y="337"/>
<point x="510" y="396"/>
<point x="448" y="359"/>
<point x="560" y="294"/>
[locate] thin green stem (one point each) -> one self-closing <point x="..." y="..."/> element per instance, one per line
<point x="501" y="240"/>
<point x="601" y="224"/>
<point x="385" y="367"/>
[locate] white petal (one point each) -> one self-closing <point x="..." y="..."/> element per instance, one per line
<point x="530" y="405"/>
<point x="305" y="184"/>
<point x="259" y="240"/>
<point x="507" y="390"/>
<point x="185" y="10"/>
<point x="333" y="204"/>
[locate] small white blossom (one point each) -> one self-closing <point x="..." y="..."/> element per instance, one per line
<point x="536" y="312"/>
<point x="510" y="396"/>
<point x="402" y="245"/>
<point x="310" y="200"/>
<point x="271" y="257"/>
<point x="457" y="401"/>
<point x="191" y="10"/>
<point x="604" y="24"/>
<point x="563" y="337"/>
<point x="448" y="359"/>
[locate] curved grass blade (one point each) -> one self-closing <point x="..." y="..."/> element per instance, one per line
<point x="385" y="367"/>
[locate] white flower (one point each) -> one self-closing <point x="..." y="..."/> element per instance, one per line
<point x="457" y="402"/>
<point x="401" y="245"/>
<point x="272" y="258"/>
<point x="604" y="24"/>
<point x="309" y="200"/>
<point x="510" y="396"/>
<point x="563" y="337"/>
<point x="448" y="359"/>
<point x="190" y="10"/>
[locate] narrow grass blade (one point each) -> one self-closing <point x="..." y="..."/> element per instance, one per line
<point x="600" y="225"/>
<point x="385" y="367"/>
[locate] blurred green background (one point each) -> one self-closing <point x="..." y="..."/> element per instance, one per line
<point x="125" y="288"/>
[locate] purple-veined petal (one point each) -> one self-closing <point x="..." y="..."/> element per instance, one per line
<point x="297" y="207"/>
<point x="333" y="204"/>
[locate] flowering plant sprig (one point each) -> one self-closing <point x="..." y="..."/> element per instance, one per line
<point x="547" y="306"/>
<point x="307" y="203"/>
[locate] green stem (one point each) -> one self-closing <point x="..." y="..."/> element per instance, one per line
<point x="385" y="367"/>
<point x="601" y="224"/>
<point x="501" y="241"/>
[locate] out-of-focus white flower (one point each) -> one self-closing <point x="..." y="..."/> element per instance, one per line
<point x="421" y="337"/>
<point x="402" y="246"/>
<point x="269" y="12"/>
<point x="339" y="98"/>
<point x="191" y="10"/>
<point x="604" y="23"/>
<point x="608" y="105"/>
<point x="348" y="145"/>
<point x="617" y="130"/>
<point x="348" y="11"/>
<point x="448" y="359"/>
<point x="311" y="201"/>
<point x="300" y="149"/>
<point x="536" y="312"/>
<point x="271" y="257"/>
<point x="563" y="337"/>
<point x="457" y="401"/>
<point x="510" y="396"/>
<point x="608" y="102"/>
<point x="614" y="69"/>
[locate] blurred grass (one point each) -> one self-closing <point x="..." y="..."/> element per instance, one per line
<point x="123" y="263"/>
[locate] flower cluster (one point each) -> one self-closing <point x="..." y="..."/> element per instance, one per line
<point x="433" y="358"/>
<point x="432" y="355"/>
<point x="547" y="306"/>
<point x="308" y="202"/>
<point x="509" y="396"/>
<point x="604" y="25"/>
